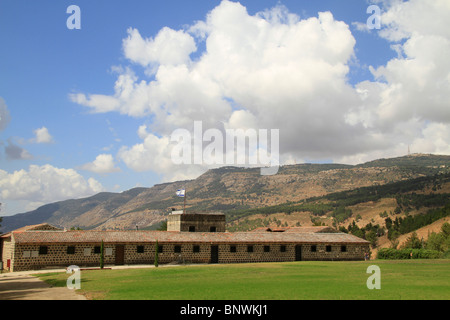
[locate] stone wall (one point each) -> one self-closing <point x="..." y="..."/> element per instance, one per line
<point x="7" y="252"/>
<point x="192" y="222"/>
<point x="334" y="252"/>
<point x="33" y="257"/>
<point x="171" y="252"/>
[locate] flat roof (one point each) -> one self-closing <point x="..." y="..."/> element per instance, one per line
<point x="180" y="212"/>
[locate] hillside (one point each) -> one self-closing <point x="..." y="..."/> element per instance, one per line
<point x="241" y="193"/>
<point x="386" y="215"/>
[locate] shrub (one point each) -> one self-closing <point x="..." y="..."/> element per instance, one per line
<point x="156" y="254"/>
<point x="394" y="254"/>
<point x="102" y="261"/>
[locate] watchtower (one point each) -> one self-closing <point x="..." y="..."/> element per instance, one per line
<point x="196" y="222"/>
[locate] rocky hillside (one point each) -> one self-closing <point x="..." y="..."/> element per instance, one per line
<point x="232" y="190"/>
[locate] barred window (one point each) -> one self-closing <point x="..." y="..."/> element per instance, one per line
<point x="140" y="249"/>
<point x="70" y="250"/>
<point x="43" y="249"/>
<point x="232" y="248"/>
<point x="282" y="248"/>
<point x="196" y="249"/>
<point x="177" y="249"/>
<point x="328" y="248"/>
<point x="249" y="248"/>
<point x="313" y="248"/>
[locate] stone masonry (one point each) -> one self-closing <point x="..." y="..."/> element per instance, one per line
<point x="40" y="247"/>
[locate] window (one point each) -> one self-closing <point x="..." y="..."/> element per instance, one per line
<point x="343" y="248"/>
<point x="71" y="250"/>
<point x="196" y="249"/>
<point x="328" y="248"/>
<point x="314" y="248"/>
<point x="266" y="248"/>
<point x="160" y="249"/>
<point x="212" y="229"/>
<point x="232" y="248"/>
<point x="282" y="248"/>
<point x="249" y="248"/>
<point x="43" y="250"/>
<point x="191" y="228"/>
<point x="177" y="249"/>
<point x="97" y="249"/>
<point x="140" y="249"/>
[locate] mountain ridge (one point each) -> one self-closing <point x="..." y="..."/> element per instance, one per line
<point x="225" y="189"/>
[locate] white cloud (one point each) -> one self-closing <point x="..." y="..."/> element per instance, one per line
<point x="405" y="19"/>
<point x="45" y="184"/>
<point x="274" y="70"/>
<point x="99" y="103"/>
<point x="362" y="27"/>
<point x="103" y="163"/>
<point x="408" y="103"/>
<point x="42" y="136"/>
<point x="435" y="139"/>
<point x="169" y="47"/>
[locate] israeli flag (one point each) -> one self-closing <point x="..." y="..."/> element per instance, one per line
<point x="181" y="192"/>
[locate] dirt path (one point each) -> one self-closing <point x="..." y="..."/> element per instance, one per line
<point x="23" y="286"/>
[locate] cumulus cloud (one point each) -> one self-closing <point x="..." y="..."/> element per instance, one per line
<point x="44" y="184"/>
<point x="274" y="70"/>
<point x="154" y="154"/>
<point x="409" y="98"/>
<point x="169" y="47"/>
<point x="419" y="83"/>
<point x="42" y="136"/>
<point x="103" y="163"/>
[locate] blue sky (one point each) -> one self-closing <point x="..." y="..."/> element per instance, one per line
<point x="46" y="69"/>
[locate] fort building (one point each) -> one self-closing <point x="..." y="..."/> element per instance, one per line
<point x="196" y="222"/>
<point x="197" y="238"/>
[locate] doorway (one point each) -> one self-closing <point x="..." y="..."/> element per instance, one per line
<point x="214" y="254"/>
<point x="120" y="254"/>
<point x="298" y="253"/>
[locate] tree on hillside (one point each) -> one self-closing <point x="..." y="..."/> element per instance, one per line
<point x="440" y="241"/>
<point x="413" y="242"/>
<point x="436" y="241"/>
<point x="371" y="236"/>
<point x="445" y="229"/>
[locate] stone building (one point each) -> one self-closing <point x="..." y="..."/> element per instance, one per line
<point x="44" y="246"/>
<point x="196" y="222"/>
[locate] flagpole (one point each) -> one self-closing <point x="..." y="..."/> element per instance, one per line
<point x="184" y="209"/>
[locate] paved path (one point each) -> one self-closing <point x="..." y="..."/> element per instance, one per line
<point x="24" y="286"/>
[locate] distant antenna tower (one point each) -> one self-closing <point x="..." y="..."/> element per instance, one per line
<point x="409" y="151"/>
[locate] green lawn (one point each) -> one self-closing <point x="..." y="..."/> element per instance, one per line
<point x="307" y="280"/>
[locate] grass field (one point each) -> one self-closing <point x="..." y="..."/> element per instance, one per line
<point x="307" y="280"/>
